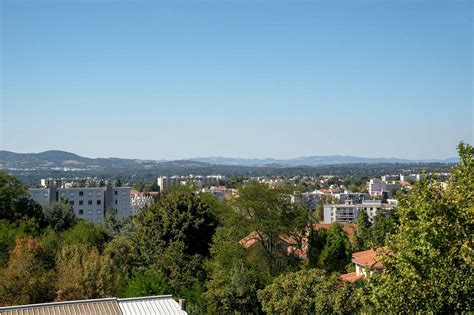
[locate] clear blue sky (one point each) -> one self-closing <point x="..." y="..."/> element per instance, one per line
<point x="142" y="79"/>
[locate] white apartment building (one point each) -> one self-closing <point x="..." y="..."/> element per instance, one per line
<point x="387" y="178"/>
<point x="139" y="201"/>
<point x="166" y="182"/>
<point x="348" y="212"/>
<point x="377" y="187"/>
<point x="411" y="177"/>
<point x="311" y="199"/>
<point x="88" y="203"/>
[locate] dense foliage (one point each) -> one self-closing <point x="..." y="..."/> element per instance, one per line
<point x="429" y="266"/>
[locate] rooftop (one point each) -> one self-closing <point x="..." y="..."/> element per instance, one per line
<point x="368" y="258"/>
<point x="163" y="304"/>
<point x="351" y="277"/>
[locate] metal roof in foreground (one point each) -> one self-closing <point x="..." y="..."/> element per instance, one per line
<point x="163" y="304"/>
<point x="107" y="306"/>
<point x="150" y="305"/>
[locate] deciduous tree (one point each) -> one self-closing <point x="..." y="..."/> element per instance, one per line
<point x="429" y="266"/>
<point x="310" y="291"/>
<point x="83" y="273"/>
<point x="26" y="279"/>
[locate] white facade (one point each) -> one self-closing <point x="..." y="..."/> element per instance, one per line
<point x="345" y="213"/>
<point x="140" y="202"/>
<point x="376" y="187"/>
<point x="166" y="182"/>
<point x="411" y="177"/>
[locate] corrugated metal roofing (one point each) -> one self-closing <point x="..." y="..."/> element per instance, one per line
<point x="106" y="306"/>
<point x="163" y="304"/>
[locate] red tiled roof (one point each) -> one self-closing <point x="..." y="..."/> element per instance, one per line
<point x="292" y="242"/>
<point x="351" y="277"/>
<point x="253" y="237"/>
<point x="349" y="228"/>
<point x="368" y="258"/>
<point x="249" y="240"/>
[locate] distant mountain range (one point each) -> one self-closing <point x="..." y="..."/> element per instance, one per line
<point x="62" y="159"/>
<point x="313" y="161"/>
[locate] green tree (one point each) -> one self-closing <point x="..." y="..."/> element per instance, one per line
<point x="174" y="236"/>
<point x="15" y="206"/>
<point x="233" y="281"/>
<point x="384" y="226"/>
<point x="51" y="242"/>
<point x="336" y="253"/>
<point x="363" y="234"/>
<point x="428" y="267"/>
<point x="319" y="212"/>
<point x="60" y="216"/>
<point x="269" y="214"/>
<point x="145" y="282"/>
<point x="181" y="215"/>
<point x="8" y="235"/>
<point x="120" y="251"/>
<point x="309" y="292"/>
<point x="86" y="233"/>
<point x="316" y="242"/>
<point x="83" y="273"/>
<point x="26" y="279"/>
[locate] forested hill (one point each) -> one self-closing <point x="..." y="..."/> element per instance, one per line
<point x="61" y="159"/>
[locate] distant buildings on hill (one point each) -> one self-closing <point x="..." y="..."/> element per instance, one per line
<point x="166" y="182"/>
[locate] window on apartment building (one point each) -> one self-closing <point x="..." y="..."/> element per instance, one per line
<point x="99" y="193"/>
<point x="81" y="202"/>
<point x="89" y="212"/>
<point x="99" y="202"/>
<point x="81" y="212"/>
<point x="116" y="201"/>
<point x="124" y="193"/>
<point x="71" y="202"/>
<point x="99" y="211"/>
<point x="115" y="193"/>
<point x="81" y="193"/>
<point x="89" y="193"/>
<point x="89" y="202"/>
<point x="71" y="194"/>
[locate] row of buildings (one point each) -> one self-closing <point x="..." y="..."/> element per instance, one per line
<point x="166" y="182"/>
<point x="92" y="203"/>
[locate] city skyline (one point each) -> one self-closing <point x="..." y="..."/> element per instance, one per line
<point x="237" y="79"/>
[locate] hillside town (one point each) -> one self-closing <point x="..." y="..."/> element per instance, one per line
<point x="236" y="157"/>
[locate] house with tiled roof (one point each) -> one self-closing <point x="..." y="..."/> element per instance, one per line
<point x="296" y="244"/>
<point x="367" y="261"/>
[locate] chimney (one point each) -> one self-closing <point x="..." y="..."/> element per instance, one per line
<point x="182" y="304"/>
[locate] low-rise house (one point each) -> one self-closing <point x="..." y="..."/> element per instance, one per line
<point x="365" y="262"/>
<point x="296" y="244"/>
